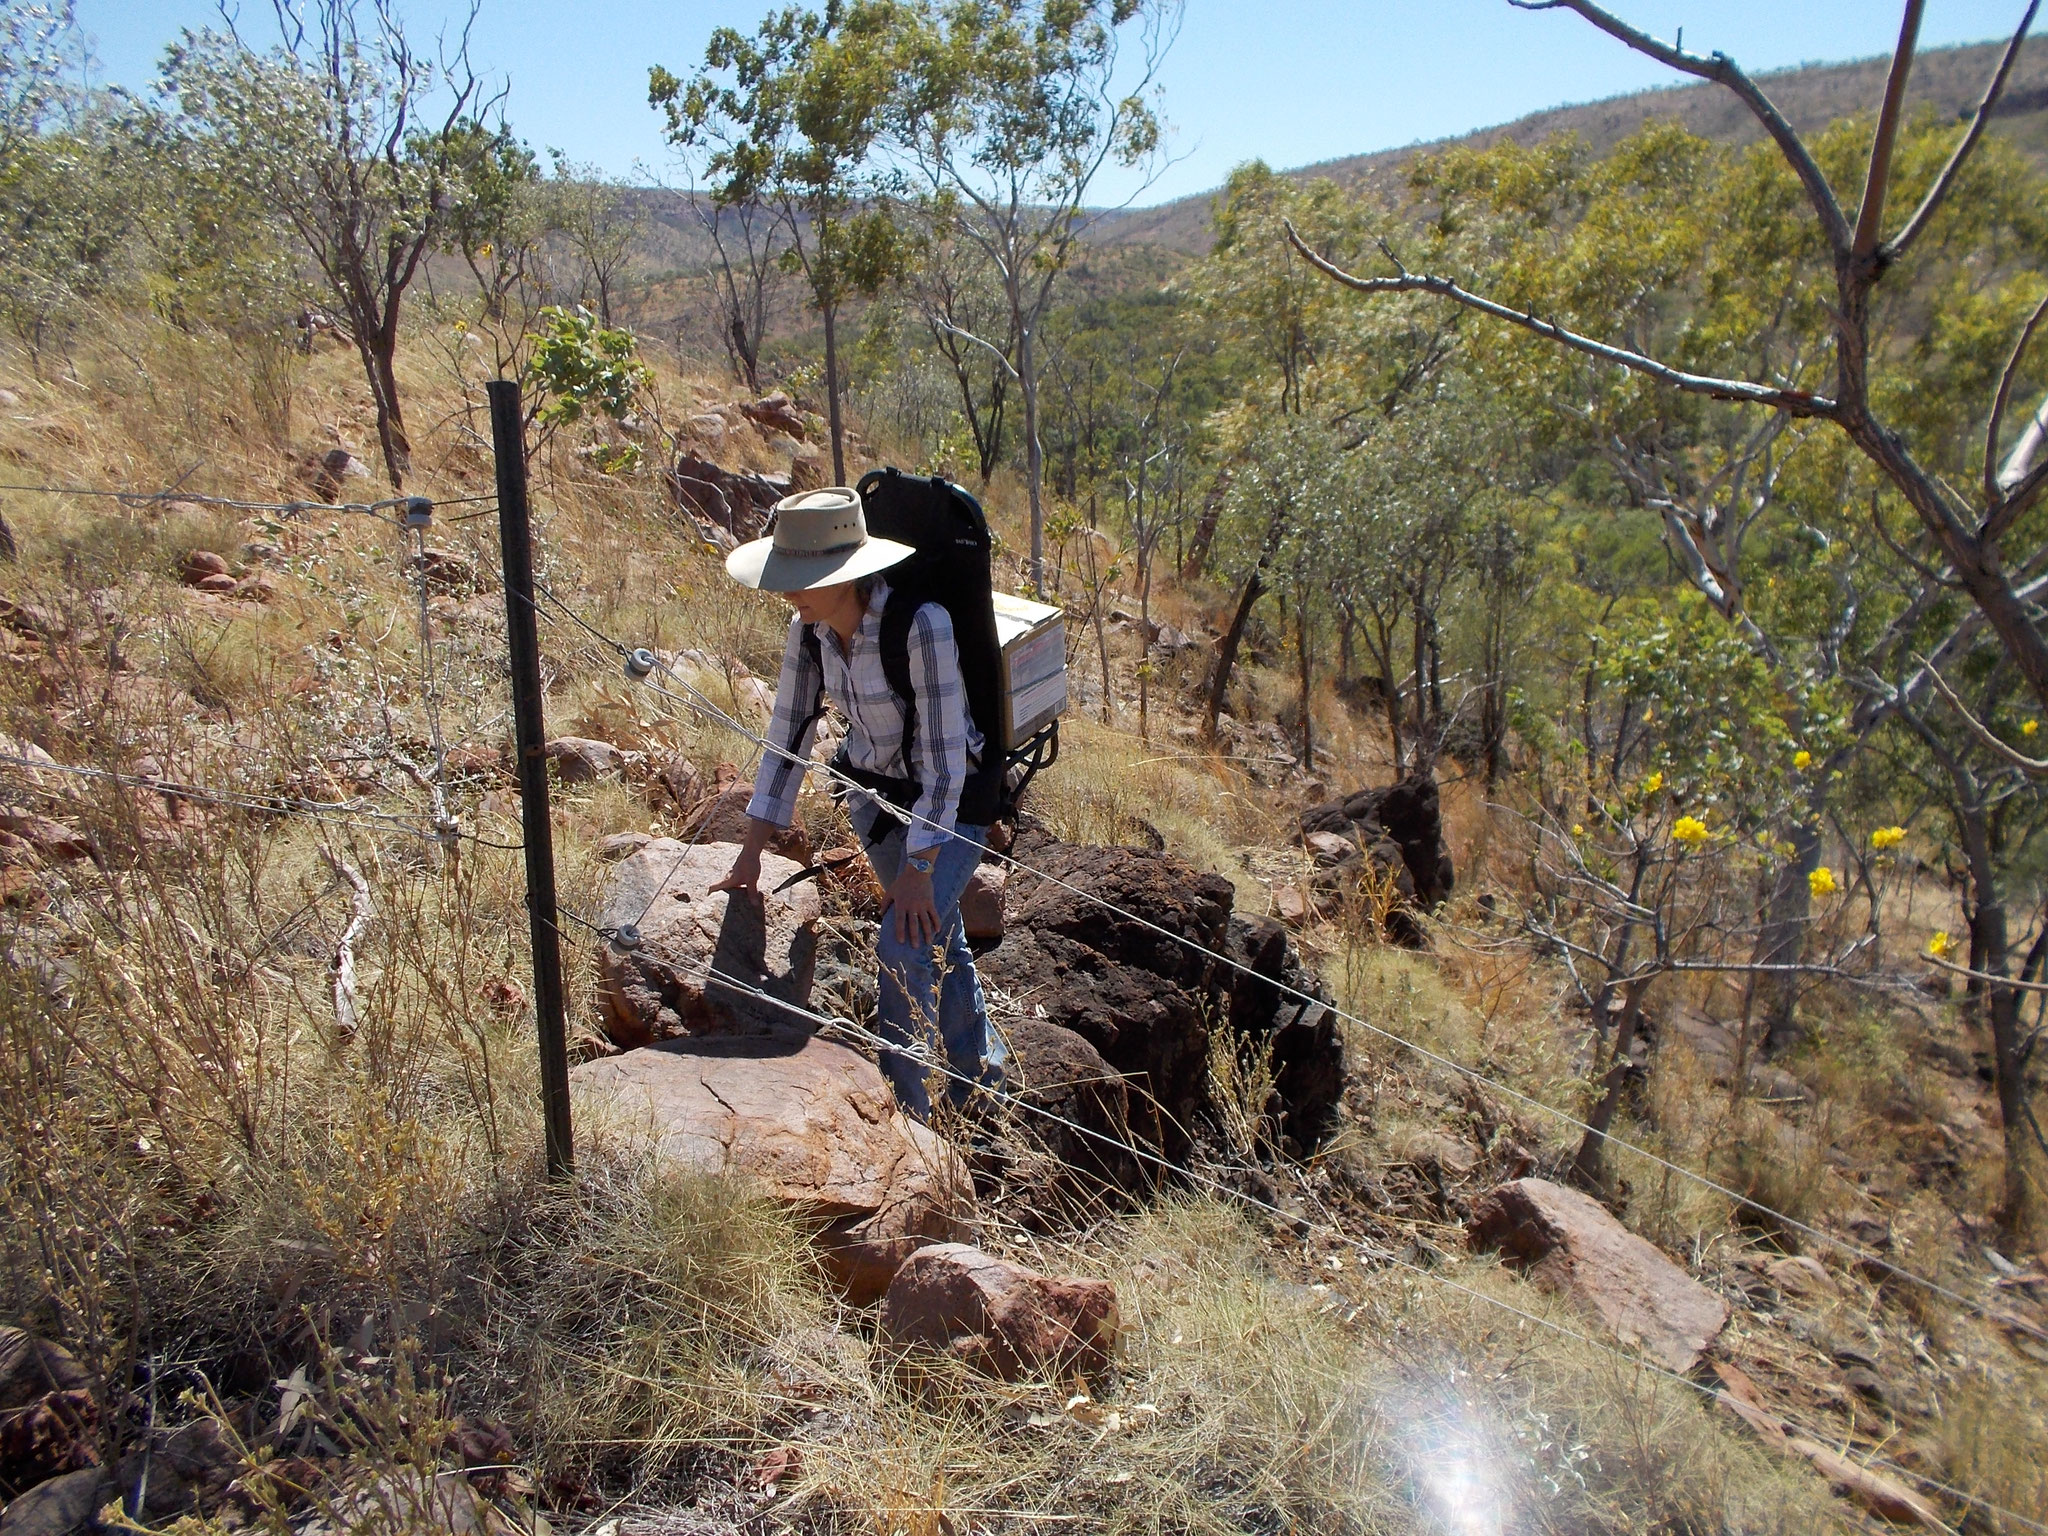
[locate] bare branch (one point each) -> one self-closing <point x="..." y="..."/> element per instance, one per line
<point x="1724" y="71"/>
<point x="1936" y="194"/>
<point x="994" y="350"/>
<point x="2033" y="767"/>
<point x="1877" y="180"/>
<point x="1996" y="480"/>
<point x="1795" y="402"/>
<point x="2000" y="981"/>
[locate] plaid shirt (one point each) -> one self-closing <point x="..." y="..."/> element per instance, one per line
<point x="946" y="742"/>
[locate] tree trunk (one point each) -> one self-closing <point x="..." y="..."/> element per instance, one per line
<point x="1588" y="1168"/>
<point x="379" y="348"/>
<point x="1205" y="529"/>
<point x="830" y="311"/>
<point x="1308" y="746"/>
<point x="1782" y="940"/>
<point x="1226" y="653"/>
<point x="1034" y="455"/>
<point x="2020" y="1210"/>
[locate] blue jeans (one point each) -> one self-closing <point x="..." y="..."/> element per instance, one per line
<point x="918" y="1007"/>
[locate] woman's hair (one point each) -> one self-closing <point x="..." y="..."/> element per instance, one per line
<point x="864" y="587"/>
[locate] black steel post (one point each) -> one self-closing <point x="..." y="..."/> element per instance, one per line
<point x="515" y="537"/>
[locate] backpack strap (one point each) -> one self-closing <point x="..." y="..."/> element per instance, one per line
<point x="811" y="653"/>
<point x="898" y="613"/>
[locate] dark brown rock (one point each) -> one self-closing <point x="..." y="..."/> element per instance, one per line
<point x="1399" y="828"/>
<point x="660" y="988"/>
<point x="1282" y="1008"/>
<point x="1570" y="1242"/>
<point x="180" y="1470"/>
<point x="1139" y="997"/>
<point x="680" y="782"/>
<point x="998" y="1317"/>
<point x="812" y="1123"/>
<point x="200" y="564"/>
<point x="1073" y="1106"/>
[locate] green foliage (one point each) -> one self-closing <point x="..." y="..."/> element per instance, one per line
<point x="579" y="367"/>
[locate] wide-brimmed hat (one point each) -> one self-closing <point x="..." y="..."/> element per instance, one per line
<point x="818" y="538"/>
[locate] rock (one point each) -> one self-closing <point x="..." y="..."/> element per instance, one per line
<point x="997" y="1317"/>
<point x="1400" y="828"/>
<point x="49" y="1416"/>
<point x="1571" y="1244"/>
<point x="776" y="413"/>
<point x="580" y="760"/>
<point x="52" y="841"/>
<point x="255" y="589"/>
<point x="1330" y="847"/>
<point x="847" y="871"/>
<point x="1800" y="1275"/>
<point x="186" y="1468"/>
<point x="504" y="997"/>
<point x="63" y="1506"/>
<point x="1277" y="1003"/>
<point x="1140" y="998"/>
<point x="680" y="780"/>
<point x="621" y="845"/>
<point x="1292" y="905"/>
<point x="1881" y="1495"/>
<point x="444" y="571"/>
<point x="723" y="819"/>
<point x="1446" y="1154"/>
<point x="199" y="564"/>
<point x="815" y="1125"/>
<point x="735" y="503"/>
<point x="981" y="903"/>
<point x="326" y="472"/>
<point x="809" y="470"/>
<point x="1073" y="1105"/>
<point x="219" y="586"/>
<point x="659" y="989"/>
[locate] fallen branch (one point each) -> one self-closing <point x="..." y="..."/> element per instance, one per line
<point x="342" y="971"/>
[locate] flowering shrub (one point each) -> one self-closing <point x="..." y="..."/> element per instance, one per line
<point x="1887" y="837"/>
<point x="1822" y="882"/>
<point x="1690" y="830"/>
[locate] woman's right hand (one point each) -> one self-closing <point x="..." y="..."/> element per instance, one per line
<point x="745" y="874"/>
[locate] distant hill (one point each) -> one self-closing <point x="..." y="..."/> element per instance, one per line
<point x="1811" y="96"/>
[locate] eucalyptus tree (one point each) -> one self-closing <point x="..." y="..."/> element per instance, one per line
<point x="790" y="116"/>
<point x="601" y="220"/>
<point x="1006" y="112"/>
<point x="353" y="135"/>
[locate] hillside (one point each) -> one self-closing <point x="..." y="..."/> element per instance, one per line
<point x="1950" y="80"/>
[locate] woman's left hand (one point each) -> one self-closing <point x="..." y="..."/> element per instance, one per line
<point x="917" y="919"/>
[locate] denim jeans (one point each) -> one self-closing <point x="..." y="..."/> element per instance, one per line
<point x="914" y="995"/>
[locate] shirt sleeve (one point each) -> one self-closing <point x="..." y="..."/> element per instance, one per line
<point x="941" y="743"/>
<point x="797" y="693"/>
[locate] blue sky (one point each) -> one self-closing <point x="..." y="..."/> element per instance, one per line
<point x="1288" y="81"/>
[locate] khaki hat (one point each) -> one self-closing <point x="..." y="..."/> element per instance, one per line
<point x="818" y="538"/>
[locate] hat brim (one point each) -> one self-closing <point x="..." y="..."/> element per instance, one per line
<point x="761" y="564"/>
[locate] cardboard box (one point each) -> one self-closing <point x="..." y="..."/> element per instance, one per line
<point x="1034" y="641"/>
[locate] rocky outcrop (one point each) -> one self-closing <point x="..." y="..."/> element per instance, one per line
<point x="582" y="759"/>
<point x="1140" y="998"/>
<point x="62" y="1506"/>
<point x="660" y="987"/>
<point x="723" y="819"/>
<point x="813" y="1123"/>
<point x="1072" y="1105"/>
<point x="998" y="1317"/>
<point x="1570" y="1243"/>
<point x="981" y="903"/>
<point x="733" y="503"/>
<point x="1397" y="830"/>
<point x="1143" y="1000"/>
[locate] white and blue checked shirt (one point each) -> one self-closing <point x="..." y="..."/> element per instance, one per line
<point x="946" y="743"/>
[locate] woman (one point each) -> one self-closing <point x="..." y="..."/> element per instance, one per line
<point x="823" y="562"/>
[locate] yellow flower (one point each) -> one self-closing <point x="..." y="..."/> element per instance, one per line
<point x="1802" y="759"/>
<point x="1653" y="783"/>
<point x="1887" y="837"/>
<point x="1822" y="882"/>
<point x="1941" y="946"/>
<point x="2030" y="727"/>
<point x="1690" y="830"/>
<point x="1577" y="830"/>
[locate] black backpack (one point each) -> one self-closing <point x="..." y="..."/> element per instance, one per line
<point x="945" y="525"/>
